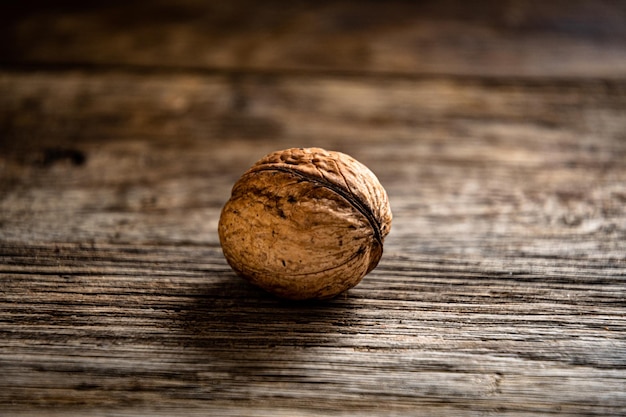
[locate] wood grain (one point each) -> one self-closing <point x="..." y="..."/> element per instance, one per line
<point x="560" y="38"/>
<point x="502" y="287"/>
<point x="139" y="326"/>
<point x="524" y="165"/>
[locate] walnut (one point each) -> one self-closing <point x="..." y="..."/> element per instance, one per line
<point x="305" y="223"/>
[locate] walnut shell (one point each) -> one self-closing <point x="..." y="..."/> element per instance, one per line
<point x="305" y="223"/>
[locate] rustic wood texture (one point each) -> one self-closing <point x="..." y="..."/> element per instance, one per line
<point x="483" y="37"/>
<point x="502" y="289"/>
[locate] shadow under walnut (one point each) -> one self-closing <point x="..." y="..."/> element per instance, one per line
<point x="305" y="223"/>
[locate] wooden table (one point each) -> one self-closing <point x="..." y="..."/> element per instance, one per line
<point x="497" y="128"/>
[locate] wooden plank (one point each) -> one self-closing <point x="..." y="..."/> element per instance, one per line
<point x="501" y="289"/>
<point x="557" y="39"/>
<point x="107" y="326"/>
<point x="524" y="166"/>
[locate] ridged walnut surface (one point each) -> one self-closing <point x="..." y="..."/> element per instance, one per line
<point x="305" y="223"/>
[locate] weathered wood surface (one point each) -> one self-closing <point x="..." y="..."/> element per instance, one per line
<point x="502" y="290"/>
<point x="483" y="37"/>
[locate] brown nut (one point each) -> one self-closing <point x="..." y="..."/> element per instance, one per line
<point x="305" y="223"/>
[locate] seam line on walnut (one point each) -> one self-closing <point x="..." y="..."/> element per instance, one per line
<point x="350" y="197"/>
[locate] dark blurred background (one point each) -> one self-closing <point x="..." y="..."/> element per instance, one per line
<point x="488" y="37"/>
